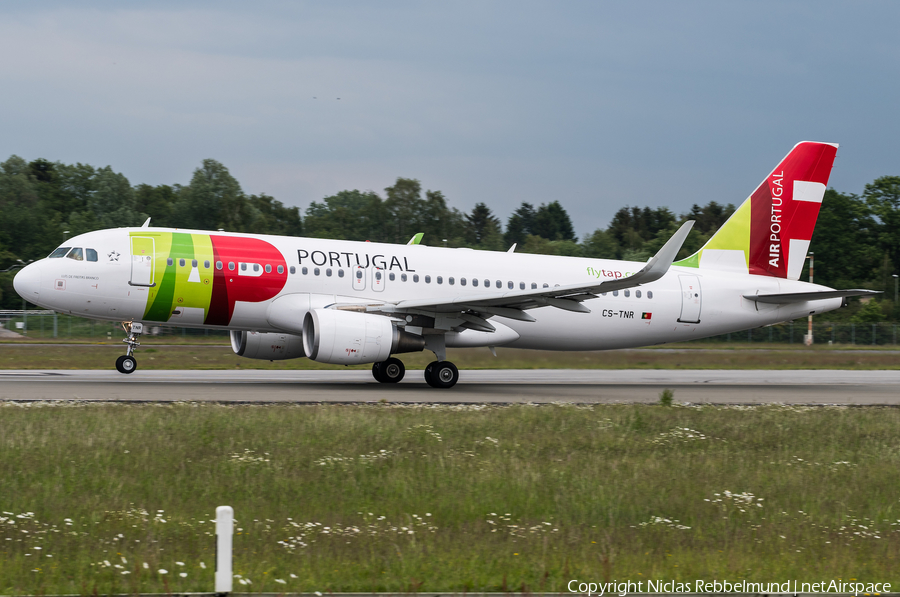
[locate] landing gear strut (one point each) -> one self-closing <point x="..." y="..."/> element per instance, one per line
<point x="389" y="371"/>
<point x="127" y="363"/>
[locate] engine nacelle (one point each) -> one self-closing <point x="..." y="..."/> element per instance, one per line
<point x="267" y="346"/>
<point x="351" y="338"/>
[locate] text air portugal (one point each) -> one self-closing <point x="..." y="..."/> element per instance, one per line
<point x="776" y="218"/>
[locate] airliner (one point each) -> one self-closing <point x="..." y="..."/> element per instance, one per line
<point x="349" y="303"/>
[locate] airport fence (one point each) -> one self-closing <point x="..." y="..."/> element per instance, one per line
<point x="44" y="324"/>
<point x="39" y="323"/>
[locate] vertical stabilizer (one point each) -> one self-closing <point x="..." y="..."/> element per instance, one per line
<point x="769" y="234"/>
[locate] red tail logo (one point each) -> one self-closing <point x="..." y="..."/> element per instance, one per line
<point x="784" y="210"/>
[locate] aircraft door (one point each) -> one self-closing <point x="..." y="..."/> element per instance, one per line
<point x="378" y="275"/>
<point x="142" y="253"/>
<point x="691" y="299"/>
<point x="359" y="277"/>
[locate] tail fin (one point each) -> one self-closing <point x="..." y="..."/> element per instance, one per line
<point x="769" y="233"/>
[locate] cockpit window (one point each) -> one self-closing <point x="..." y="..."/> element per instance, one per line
<point x="60" y="252"/>
<point x="77" y="254"/>
<point x="91" y="254"/>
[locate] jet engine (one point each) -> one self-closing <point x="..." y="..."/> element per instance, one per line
<point x="267" y="346"/>
<point x="351" y="338"/>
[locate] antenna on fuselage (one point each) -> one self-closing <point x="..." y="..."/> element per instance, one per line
<point x="146" y="224"/>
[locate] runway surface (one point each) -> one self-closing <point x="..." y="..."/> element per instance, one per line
<point x="507" y="386"/>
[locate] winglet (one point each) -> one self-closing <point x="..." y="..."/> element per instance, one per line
<point x="416" y="239"/>
<point x="146" y="224"/>
<point x="659" y="264"/>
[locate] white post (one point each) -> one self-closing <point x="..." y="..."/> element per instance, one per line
<point x="224" y="532"/>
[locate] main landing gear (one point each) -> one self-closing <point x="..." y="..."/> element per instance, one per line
<point x="439" y="374"/>
<point x="389" y="371"/>
<point x="127" y="363"/>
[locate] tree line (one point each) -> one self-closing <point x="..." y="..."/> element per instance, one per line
<point x="856" y="241"/>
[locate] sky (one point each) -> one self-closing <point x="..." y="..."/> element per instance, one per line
<point x="595" y="104"/>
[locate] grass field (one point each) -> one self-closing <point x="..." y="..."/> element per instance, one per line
<point x="150" y="356"/>
<point x="397" y="498"/>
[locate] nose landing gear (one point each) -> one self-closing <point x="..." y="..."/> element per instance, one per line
<point x="127" y="363"/>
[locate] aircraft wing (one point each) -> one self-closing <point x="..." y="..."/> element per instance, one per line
<point x="512" y="304"/>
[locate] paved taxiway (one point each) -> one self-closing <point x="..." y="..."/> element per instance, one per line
<point x="485" y="386"/>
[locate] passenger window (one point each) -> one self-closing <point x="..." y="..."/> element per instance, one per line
<point x="428" y="279"/>
<point x="403" y="277"/>
<point x="181" y="262"/>
<point x="510" y="285"/>
<point x="378" y="276"/>
<point x="487" y="283"/>
<point x="474" y="281"/>
<point x="170" y="261"/>
<point x="462" y="281"/>
<point x="206" y="265"/>
<point x="546" y="285"/>
<point x="627" y="293"/>
<point x="268" y="269"/>
<point x="256" y="267"/>
<point x="91" y="254"/>
<point x="615" y="293"/>
<point x="521" y="285"/>
<point x="316" y="272"/>
<point x="649" y="294"/>
<point x="392" y="276"/>
<point x="293" y="269"/>
<point x="328" y="272"/>
<point x="534" y="285"/>
<point x="280" y="270"/>
<point x="499" y="284"/>
<point x="243" y="267"/>
<point x="602" y="294"/>
<point x="637" y="293"/>
<point x="304" y="271"/>
<point x="440" y="280"/>
<point x="60" y="252"/>
<point x="340" y="273"/>
<point x="451" y="281"/>
<point x="193" y="263"/>
<point x="230" y="266"/>
<point x="219" y="265"/>
<point x="359" y="274"/>
<point x="415" y="277"/>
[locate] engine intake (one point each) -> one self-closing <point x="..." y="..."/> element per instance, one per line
<point x="267" y="346"/>
<point x="349" y="338"/>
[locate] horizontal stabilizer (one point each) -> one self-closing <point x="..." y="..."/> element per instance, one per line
<point x="799" y="297"/>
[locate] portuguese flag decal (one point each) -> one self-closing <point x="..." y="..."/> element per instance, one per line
<point x="646" y="316"/>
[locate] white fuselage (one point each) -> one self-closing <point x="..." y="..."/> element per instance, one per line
<point x="686" y="304"/>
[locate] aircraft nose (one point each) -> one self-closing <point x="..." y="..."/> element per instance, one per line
<point x="28" y="282"/>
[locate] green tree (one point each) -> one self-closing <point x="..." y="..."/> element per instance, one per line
<point x="157" y="202"/>
<point x="212" y="200"/>
<point x="845" y="242"/>
<point x="520" y="224"/>
<point x="348" y="215"/>
<point x="883" y="199"/>
<point x="483" y="229"/>
<point x="552" y="222"/>
<point x="602" y="245"/>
